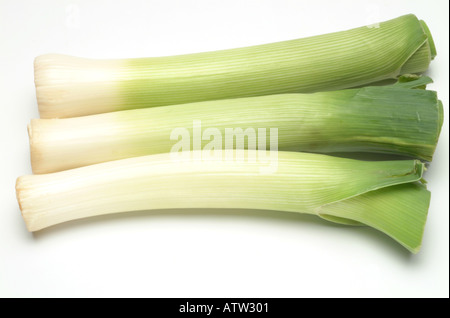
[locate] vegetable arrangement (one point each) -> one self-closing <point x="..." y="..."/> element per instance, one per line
<point x="104" y="141"/>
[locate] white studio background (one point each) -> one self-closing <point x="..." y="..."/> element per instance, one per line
<point x="217" y="254"/>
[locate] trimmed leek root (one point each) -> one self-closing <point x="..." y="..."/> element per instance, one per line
<point x="69" y="86"/>
<point x="385" y="195"/>
<point x="387" y="119"/>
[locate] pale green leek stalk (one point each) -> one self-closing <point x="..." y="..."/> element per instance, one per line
<point x="395" y="119"/>
<point x="382" y="194"/>
<point x="69" y="86"/>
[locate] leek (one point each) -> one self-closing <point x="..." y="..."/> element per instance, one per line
<point x="385" y="195"/>
<point x="69" y="86"/>
<point x="394" y="119"/>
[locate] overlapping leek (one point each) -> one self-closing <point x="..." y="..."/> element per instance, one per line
<point x="69" y="86"/>
<point x="385" y="195"/>
<point x="388" y="119"/>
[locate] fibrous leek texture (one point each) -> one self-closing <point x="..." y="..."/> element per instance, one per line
<point x="394" y="119"/>
<point x="385" y="195"/>
<point x="69" y="86"/>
